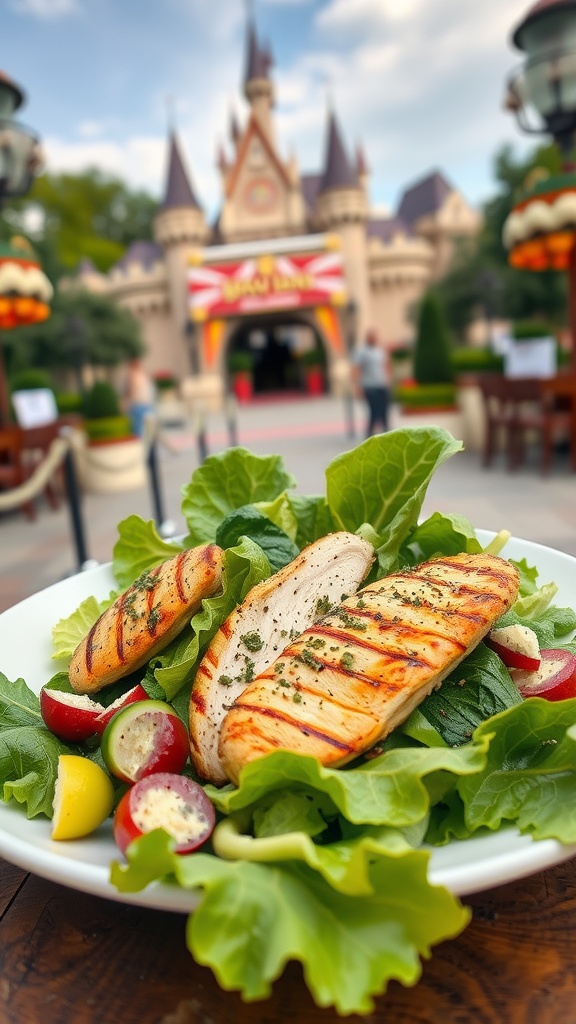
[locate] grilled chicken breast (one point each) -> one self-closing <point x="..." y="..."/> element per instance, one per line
<point x="143" y="620"/>
<point x="255" y="633"/>
<point x="359" y="671"/>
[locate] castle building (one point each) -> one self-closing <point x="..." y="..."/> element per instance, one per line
<point x="293" y="264"/>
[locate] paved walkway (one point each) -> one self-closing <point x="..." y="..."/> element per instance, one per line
<point x="308" y="434"/>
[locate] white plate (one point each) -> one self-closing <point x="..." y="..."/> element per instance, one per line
<point x="25" y="650"/>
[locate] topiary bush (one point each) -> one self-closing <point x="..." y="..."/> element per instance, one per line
<point x="476" y="360"/>
<point x="30" y="380"/>
<point x="101" y="401"/>
<point x="108" y="428"/>
<point x="425" y="396"/>
<point x="432" y="363"/>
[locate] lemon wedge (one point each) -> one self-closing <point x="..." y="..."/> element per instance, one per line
<point x="83" y="797"/>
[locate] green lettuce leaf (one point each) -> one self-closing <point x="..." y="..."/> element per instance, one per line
<point x="313" y="518"/>
<point x="69" y="632"/>
<point x="28" y="767"/>
<point x="350" y="946"/>
<point x="383" y="482"/>
<point x="479" y="688"/>
<point x="248" y="521"/>
<point x="19" y="706"/>
<point x="530" y="773"/>
<point x="442" y="533"/>
<point x="225" y="482"/>
<point x="386" y="790"/>
<point x="139" y="547"/>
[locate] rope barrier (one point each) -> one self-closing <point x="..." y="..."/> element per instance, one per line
<point x="39" y="478"/>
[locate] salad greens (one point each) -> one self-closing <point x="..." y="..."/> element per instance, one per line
<point x="326" y="866"/>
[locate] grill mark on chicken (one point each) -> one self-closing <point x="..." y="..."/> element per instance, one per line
<point x="178" y="575"/>
<point x="254" y="635"/>
<point x="378" y="669"/>
<point x="89" y="647"/>
<point x="143" y="620"/>
<point x="308" y="730"/>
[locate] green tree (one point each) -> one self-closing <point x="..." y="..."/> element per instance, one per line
<point x="480" y="279"/>
<point x="432" y="364"/>
<point x="82" y="216"/>
<point x="82" y="328"/>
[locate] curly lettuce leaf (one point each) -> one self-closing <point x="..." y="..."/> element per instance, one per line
<point x="69" y="632"/>
<point x="530" y="773"/>
<point x="225" y="482"/>
<point x="139" y="547"/>
<point x="350" y="946"/>
<point x="383" y="482"/>
<point x="386" y="790"/>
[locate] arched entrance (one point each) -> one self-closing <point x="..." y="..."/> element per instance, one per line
<point x="281" y="350"/>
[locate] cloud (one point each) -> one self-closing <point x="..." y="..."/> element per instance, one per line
<point x="139" y="160"/>
<point x="46" y="9"/>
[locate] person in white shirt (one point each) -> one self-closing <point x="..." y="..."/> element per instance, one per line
<point x="370" y="364"/>
<point x="138" y="396"/>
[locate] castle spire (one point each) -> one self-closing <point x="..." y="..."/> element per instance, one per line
<point x="258" y="58"/>
<point x="179" y="191"/>
<point x="338" y="171"/>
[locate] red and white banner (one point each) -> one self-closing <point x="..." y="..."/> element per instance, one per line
<point x="263" y="283"/>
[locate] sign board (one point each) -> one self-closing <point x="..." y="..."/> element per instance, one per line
<point x="533" y="358"/>
<point x="35" y="408"/>
<point x="265" y="283"/>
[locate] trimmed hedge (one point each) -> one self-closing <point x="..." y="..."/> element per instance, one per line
<point x="425" y="396"/>
<point x="108" y="428"/>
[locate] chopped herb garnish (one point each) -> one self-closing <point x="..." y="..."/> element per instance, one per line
<point x="225" y="680"/>
<point x="323" y="605"/>
<point x="347" y="660"/>
<point x="253" y="641"/>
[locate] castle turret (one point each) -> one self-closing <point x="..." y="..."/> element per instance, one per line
<point x="179" y="227"/>
<point x="258" y="87"/>
<point x="341" y="207"/>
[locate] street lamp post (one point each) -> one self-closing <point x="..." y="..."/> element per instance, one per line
<point x="20" y="154"/>
<point x="541" y="230"/>
<point x="23" y="287"/>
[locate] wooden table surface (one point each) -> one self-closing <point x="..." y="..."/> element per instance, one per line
<point x="70" y="958"/>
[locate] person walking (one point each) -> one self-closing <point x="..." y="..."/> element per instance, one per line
<point x="139" y="395"/>
<point x="370" y="365"/>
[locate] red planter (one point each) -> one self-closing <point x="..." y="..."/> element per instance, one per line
<point x="315" y="382"/>
<point x="242" y="385"/>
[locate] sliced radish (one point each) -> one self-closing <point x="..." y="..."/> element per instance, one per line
<point x="172" y="802"/>
<point x="132" y="696"/>
<point x="516" y="645"/>
<point x="554" y="680"/>
<point x="70" y="716"/>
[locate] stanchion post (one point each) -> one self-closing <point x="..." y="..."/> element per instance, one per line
<point x="152" y="462"/>
<point x="74" y="504"/>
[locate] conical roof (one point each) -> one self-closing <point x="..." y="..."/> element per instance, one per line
<point x="179" y="191"/>
<point x="338" y="171"/>
<point x="258" y="58"/>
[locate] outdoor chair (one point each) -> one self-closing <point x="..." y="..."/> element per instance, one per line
<point x="522" y="410"/>
<point x="12" y="472"/>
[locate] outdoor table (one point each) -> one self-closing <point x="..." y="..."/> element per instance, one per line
<point x="70" y="958"/>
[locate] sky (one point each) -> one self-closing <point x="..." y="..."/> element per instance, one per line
<point x="418" y="83"/>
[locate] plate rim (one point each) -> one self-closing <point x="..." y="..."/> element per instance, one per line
<point x="52" y="862"/>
